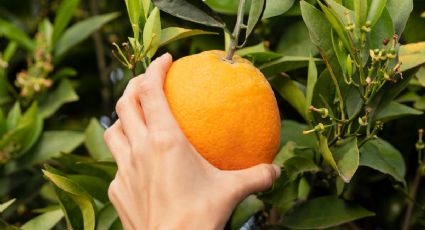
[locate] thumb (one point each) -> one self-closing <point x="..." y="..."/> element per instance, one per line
<point x="257" y="178"/>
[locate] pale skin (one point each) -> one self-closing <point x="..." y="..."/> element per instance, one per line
<point x="162" y="182"/>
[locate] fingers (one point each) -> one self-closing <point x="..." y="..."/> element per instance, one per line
<point x="257" y="178"/>
<point x="130" y="111"/>
<point x="117" y="142"/>
<point x="155" y="106"/>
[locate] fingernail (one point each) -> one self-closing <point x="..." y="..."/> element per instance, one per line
<point x="277" y="170"/>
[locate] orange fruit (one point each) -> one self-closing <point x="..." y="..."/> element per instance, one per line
<point x="228" y="111"/>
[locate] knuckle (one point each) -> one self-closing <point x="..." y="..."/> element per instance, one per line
<point x="107" y="135"/>
<point x="268" y="174"/>
<point x="112" y="190"/>
<point x="145" y="87"/>
<point x="119" y="107"/>
<point x="165" y="139"/>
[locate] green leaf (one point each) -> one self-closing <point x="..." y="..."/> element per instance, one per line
<point x="152" y="32"/>
<point x="293" y="131"/>
<point x="52" y="144"/>
<point x="277" y="7"/>
<point x="106" y="217"/>
<point x="78" y="195"/>
<point x="289" y="91"/>
<point x="44" y="221"/>
<point x="134" y="9"/>
<point x="296" y="41"/>
<point x="95" y="186"/>
<point x="6" y="204"/>
<point x="420" y="103"/>
<point x="282" y="195"/>
<point x="80" y="31"/>
<point x="343" y="156"/>
<point x="10" y="50"/>
<point x="259" y="58"/>
<point x="375" y="10"/>
<point x="6" y="226"/>
<point x="172" y="34"/>
<point x="224" y="6"/>
<point x="313" y="215"/>
<point x="412" y="55"/>
<point x="244" y="211"/>
<point x="311" y="82"/>
<point x="3" y="124"/>
<point x="63" y="93"/>
<point x="395" y="110"/>
<point x="285" y="153"/>
<point x="13" y="116"/>
<point x="63" y="17"/>
<point x="337" y="25"/>
<point x="297" y="165"/>
<point x="400" y="11"/>
<point x="360" y="12"/>
<point x="382" y="29"/>
<point x="319" y="29"/>
<point x="382" y="156"/>
<point x="46" y="28"/>
<point x="284" y="64"/>
<point x="94" y="141"/>
<point x="13" y="33"/>
<point x="251" y="49"/>
<point x="27" y="131"/>
<point x="146" y="4"/>
<point x="255" y="12"/>
<point x="194" y="11"/>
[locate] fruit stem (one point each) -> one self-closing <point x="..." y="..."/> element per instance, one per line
<point x="236" y="31"/>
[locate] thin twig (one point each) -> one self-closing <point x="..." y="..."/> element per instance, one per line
<point x="236" y="31"/>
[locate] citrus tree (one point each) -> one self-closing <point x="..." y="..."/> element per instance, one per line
<point x="349" y="84"/>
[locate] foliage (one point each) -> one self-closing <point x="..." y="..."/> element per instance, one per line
<point x="349" y="85"/>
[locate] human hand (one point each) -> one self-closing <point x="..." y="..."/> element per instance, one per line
<point x="162" y="182"/>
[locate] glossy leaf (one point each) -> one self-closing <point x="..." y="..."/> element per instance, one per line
<point x="80" y="31"/>
<point x="26" y="132"/>
<point x="400" y="11"/>
<point x="95" y="186"/>
<point x="297" y="165"/>
<point x="360" y="12"/>
<point x="152" y="32"/>
<point x="375" y="10"/>
<point x="172" y="34"/>
<point x="94" y="141"/>
<point x="343" y="157"/>
<point x="52" y="144"/>
<point x="396" y="110"/>
<point x="13" y="116"/>
<point x="293" y="131"/>
<point x="337" y="25"/>
<point x="195" y="11"/>
<point x="255" y="12"/>
<point x="296" y="41"/>
<point x="383" y="29"/>
<point x="78" y="195"/>
<point x="277" y="7"/>
<point x="13" y="33"/>
<point x="319" y="29"/>
<point x="46" y="220"/>
<point x="5" y="205"/>
<point x="285" y="153"/>
<point x="289" y="91"/>
<point x="382" y="156"/>
<point x="106" y="217"/>
<point x="283" y="64"/>
<point x="244" y="211"/>
<point x="63" y="16"/>
<point x="313" y="215"/>
<point x="412" y="55"/>
<point x="63" y="93"/>
<point x="134" y="9"/>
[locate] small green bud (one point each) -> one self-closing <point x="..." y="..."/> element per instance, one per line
<point x="362" y="121"/>
<point x="391" y="54"/>
<point x="349" y="66"/>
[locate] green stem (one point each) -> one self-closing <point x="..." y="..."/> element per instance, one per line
<point x="236" y="31"/>
<point x="338" y="90"/>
